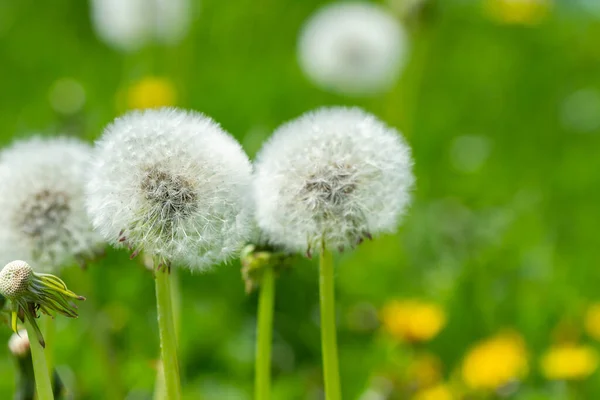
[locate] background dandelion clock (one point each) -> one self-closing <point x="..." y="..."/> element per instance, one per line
<point x="173" y="184"/>
<point x="326" y="181"/>
<point x="352" y="48"/>
<point x="42" y="212"/>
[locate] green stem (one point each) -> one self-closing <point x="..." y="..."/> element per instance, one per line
<point x="40" y="367"/>
<point x="49" y="331"/>
<point x="264" y="335"/>
<point x="331" y="373"/>
<point x="168" y="340"/>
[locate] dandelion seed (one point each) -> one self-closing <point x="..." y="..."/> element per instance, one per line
<point x="173" y="184"/>
<point x="353" y="48"/>
<point x="333" y="176"/>
<point x="42" y="209"/>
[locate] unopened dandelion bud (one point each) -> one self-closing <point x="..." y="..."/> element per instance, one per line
<point x="19" y="344"/>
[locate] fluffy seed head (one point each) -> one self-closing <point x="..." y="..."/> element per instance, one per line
<point x="173" y="184"/>
<point x="332" y="176"/>
<point x="18" y="344"/>
<point x="353" y="48"/>
<point x="15" y="279"/>
<point x="129" y="24"/>
<point x="42" y="207"/>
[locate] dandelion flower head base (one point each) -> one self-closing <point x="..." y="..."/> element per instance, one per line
<point x="30" y="292"/>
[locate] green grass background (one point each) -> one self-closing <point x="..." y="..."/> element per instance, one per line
<point x="513" y="244"/>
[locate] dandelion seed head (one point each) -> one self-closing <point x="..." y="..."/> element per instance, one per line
<point x="128" y="25"/>
<point x="333" y="176"/>
<point x="353" y="48"/>
<point x="173" y="184"/>
<point x="18" y="344"/>
<point x="15" y="279"/>
<point x="42" y="210"/>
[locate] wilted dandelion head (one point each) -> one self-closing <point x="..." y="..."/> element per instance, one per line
<point x="173" y="184"/>
<point x="129" y="24"/>
<point x="42" y="209"/>
<point x="353" y="48"/>
<point x="333" y="176"/>
<point x="15" y="279"/>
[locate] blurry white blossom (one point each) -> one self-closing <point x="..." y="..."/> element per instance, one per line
<point x="42" y="207"/>
<point x="353" y="48"/>
<point x="173" y="184"/>
<point x="333" y="176"/>
<point x="129" y="24"/>
<point x="18" y="344"/>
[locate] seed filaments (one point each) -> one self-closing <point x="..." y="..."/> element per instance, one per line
<point x="173" y="195"/>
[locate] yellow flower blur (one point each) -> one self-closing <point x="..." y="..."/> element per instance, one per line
<point x="413" y="320"/>
<point x="437" y="392"/>
<point x="151" y="92"/>
<point x="569" y="362"/>
<point x="495" y="362"/>
<point x="524" y="12"/>
<point x="424" y="370"/>
<point x="592" y="321"/>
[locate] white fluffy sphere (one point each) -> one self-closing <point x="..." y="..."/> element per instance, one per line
<point x="353" y="48"/>
<point x="42" y="207"/>
<point x="332" y="176"/>
<point x="129" y="24"/>
<point x="173" y="184"/>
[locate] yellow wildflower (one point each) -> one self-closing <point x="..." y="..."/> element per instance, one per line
<point x="495" y="362"/>
<point x="592" y="321"/>
<point x="151" y="92"/>
<point x="569" y="362"/>
<point x="437" y="392"/>
<point x="413" y="320"/>
<point x="524" y="12"/>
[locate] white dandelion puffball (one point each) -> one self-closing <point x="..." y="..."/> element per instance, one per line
<point x="332" y="176"/>
<point x="129" y="24"/>
<point x="18" y="344"/>
<point x="353" y="48"/>
<point x="42" y="207"/>
<point x="173" y="184"/>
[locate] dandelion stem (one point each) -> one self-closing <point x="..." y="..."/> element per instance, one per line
<point x="331" y="373"/>
<point x="168" y="340"/>
<point x="264" y="333"/>
<point x="40" y="367"/>
<point x="49" y="330"/>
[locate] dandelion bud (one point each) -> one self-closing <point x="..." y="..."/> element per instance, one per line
<point x="173" y="184"/>
<point x="331" y="178"/>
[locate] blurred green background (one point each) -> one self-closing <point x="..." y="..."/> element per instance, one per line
<point x="504" y="120"/>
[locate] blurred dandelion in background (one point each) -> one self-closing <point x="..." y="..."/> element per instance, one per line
<point x="128" y="25"/>
<point x="495" y="362"/>
<point x="151" y="92"/>
<point x="42" y="211"/>
<point x="354" y="48"/>
<point x="569" y="362"/>
<point x="437" y="392"/>
<point x="592" y="321"/>
<point x="521" y="12"/>
<point x="412" y="320"/>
